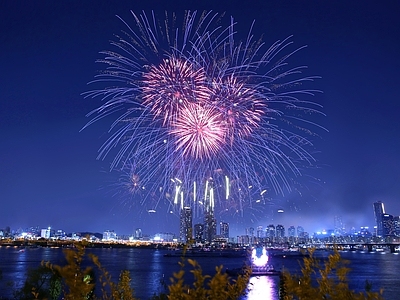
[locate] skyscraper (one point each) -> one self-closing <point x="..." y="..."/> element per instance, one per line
<point x="396" y="222"/>
<point x="300" y="231"/>
<point x="280" y="231"/>
<point x="291" y="231"/>
<point x="138" y="233"/>
<point x="199" y="232"/>
<point x="270" y="231"/>
<point x="379" y="211"/>
<point x="339" y="227"/>
<point x="185" y="230"/>
<point x="250" y="231"/>
<point x="388" y="225"/>
<point x="224" y="230"/>
<point x="260" y="233"/>
<point x="210" y="226"/>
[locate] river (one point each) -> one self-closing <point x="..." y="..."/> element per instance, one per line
<point x="149" y="268"/>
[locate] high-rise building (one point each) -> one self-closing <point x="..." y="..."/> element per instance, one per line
<point x="210" y="226"/>
<point x="60" y="234"/>
<point x="291" y="234"/>
<point x="45" y="233"/>
<point x="109" y="235"/>
<point x="396" y="222"/>
<point x="270" y="231"/>
<point x="379" y="211"/>
<point x="250" y="231"/>
<point x="291" y="231"/>
<point x="138" y="233"/>
<point x="339" y="227"/>
<point x="185" y="229"/>
<point x="280" y="231"/>
<point x="300" y="231"/>
<point x="388" y="225"/>
<point x="260" y="233"/>
<point x="199" y="233"/>
<point x="224" y="230"/>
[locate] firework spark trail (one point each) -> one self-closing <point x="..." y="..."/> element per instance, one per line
<point x="196" y="101"/>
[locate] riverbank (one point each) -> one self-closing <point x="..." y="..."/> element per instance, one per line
<point x="71" y="244"/>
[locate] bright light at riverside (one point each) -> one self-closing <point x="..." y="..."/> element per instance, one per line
<point x="259" y="261"/>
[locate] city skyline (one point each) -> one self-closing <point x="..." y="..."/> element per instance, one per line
<point x="337" y="226"/>
<point x="49" y="169"/>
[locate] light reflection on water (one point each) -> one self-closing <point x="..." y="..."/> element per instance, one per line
<point x="263" y="287"/>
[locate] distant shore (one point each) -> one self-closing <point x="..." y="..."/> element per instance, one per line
<point x="89" y="244"/>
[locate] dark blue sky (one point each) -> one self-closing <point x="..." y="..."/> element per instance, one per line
<point x="49" y="175"/>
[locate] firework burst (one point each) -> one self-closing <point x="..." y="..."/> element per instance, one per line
<point x="205" y="120"/>
<point x="241" y="107"/>
<point x="198" y="131"/>
<point x="172" y="84"/>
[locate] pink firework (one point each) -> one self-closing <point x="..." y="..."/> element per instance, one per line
<point x="198" y="131"/>
<point x="242" y="108"/>
<point x="171" y="84"/>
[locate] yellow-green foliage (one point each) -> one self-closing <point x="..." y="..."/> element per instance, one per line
<point x="219" y="286"/>
<point x="80" y="283"/>
<point x="327" y="281"/>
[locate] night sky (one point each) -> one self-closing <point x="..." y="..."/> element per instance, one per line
<point x="49" y="175"/>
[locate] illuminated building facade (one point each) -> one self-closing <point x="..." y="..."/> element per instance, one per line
<point x="109" y="235"/>
<point x="291" y="231"/>
<point x="270" y="231"/>
<point x="280" y="231"/>
<point x="388" y="225"/>
<point x="379" y="211"/>
<point x="199" y="233"/>
<point x="260" y="232"/>
<point x="138" y="234"/>
<point x="396" y="222"/>
<point x="185" y="229"/>
<point x="339" y="226"/>
<point x="210" y="226"/>
<point x="300" y="231"/>
<point x="224" y="230"/>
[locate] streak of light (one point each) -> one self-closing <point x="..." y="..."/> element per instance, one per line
<point x="177" y="189"/>
<point x="227" y="187"/>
